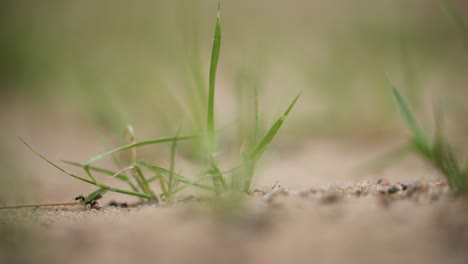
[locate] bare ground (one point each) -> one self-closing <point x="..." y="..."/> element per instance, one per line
<point x="410" y="218"/>
<point x="315" y="208"/>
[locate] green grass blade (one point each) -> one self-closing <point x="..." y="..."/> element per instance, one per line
<point x="166" y="173"/>
<point x="117" y="190"/>
<point x="96" y="194"/>
<point x="419" y="137"/>
<point x="172" y="162"/>
<point x="135" y="145"/>
<point x="83" y="179"/>
<point x="164" y="190"/>
<point x="260" y="148"/>
<point x="194" y="183"/>
<point x="146" y="187"/>
<point x="121" y="177"/>
<point x="249" y="167"/>
<point x="211" y="93"/>
<point x="54" y="164"/>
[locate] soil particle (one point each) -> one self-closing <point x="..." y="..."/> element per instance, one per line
<point x="392" y="190"/>
<point x="383" y="182"/>
<point x="330" y="196"/>
<point x="118" y="204"/>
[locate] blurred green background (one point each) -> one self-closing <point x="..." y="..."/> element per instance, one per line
<point x="71" y="68"/>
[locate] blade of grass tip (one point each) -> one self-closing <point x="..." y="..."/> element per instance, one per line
<point x="83" y="179"/>
<point x="419" y="137"/>
<point x="260" y="148"/>
<point x="55" y="165"/>
<point x="135" y="145"/>
<point x="213" y="67"/>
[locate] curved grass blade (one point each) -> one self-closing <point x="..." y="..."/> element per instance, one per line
<point x="250" y="160"/>
<point x="55" y="165"/>
<point x="260" y="148"/>
<point x="166" y="173"/>
<point x="419" y="139"/>
<point x="135" y="145"/>
<point x="197" y="181"/>
<point x="110" y="188"/>
<point x="211" y="93"/>
<point x="121" y="177"/>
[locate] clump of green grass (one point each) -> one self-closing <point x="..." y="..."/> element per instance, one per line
<point x="213" y="179"/>
<point x="437" y="151"/>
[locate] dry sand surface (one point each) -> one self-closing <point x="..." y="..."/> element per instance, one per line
<point x="318" y="212"/>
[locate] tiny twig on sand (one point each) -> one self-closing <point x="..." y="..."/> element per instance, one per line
<point x="40" y="205"/>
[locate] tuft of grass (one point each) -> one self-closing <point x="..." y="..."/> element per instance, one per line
<point x="95" y="183"/>
<point x="219" y="181"/>
<point x="135" y="173"/>
<point x="438" y="151"/>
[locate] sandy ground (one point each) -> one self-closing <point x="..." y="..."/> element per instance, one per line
<point x="326" y="216"/>
<point x="316" y="208"/>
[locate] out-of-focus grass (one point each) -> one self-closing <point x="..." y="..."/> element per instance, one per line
<point x="119" y="62"/>
<point x="438" y="151"/>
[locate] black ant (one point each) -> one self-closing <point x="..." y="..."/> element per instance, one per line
<point x="92" y="202"/>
